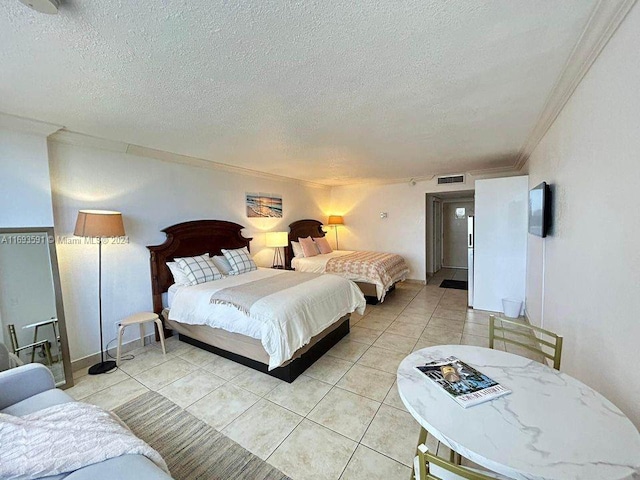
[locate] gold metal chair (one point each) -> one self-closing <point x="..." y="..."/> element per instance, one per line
<point x="44" y="344"/>
<point x="53" y="321"/>
<point x="538" y="340"/>
<point x="427" y="466"/>
<point x="422" y="440"/>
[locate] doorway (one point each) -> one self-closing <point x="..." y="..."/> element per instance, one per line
<point x="454" y="233"/>
<point x="446" y="236"/>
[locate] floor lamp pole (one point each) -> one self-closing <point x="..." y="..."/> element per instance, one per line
<point x="103" y="366"/>
<point x="100" y="297"/>
<point x="335" y="227"/>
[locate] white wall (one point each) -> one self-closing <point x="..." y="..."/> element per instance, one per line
<point x="152" y="195"/>
<point x="25" y="191"/>
<point x="590" y="289"/>
<point x="403" y="231"/>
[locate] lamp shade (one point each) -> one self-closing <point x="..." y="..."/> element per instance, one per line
<point x="277" y="239"/>
<point x="335" y="220"/>
<point x="99" y="223"/>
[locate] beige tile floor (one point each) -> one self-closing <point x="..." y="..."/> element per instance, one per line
<point x="342" y="419"/>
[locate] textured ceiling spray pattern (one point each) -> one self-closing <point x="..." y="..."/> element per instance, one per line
<point x="333" y="92"/>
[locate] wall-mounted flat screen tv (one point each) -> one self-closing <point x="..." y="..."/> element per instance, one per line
<point x="540" y="210"/>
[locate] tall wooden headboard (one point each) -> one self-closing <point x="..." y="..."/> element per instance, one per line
<point x="187" y="240"/>
<point x="302" y="228"/>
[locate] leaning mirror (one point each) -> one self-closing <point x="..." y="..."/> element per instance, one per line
<point x="32" y="323"/>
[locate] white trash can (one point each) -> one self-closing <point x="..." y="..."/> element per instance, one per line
<point x="511" y="307"/>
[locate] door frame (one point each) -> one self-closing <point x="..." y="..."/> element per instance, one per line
<point x="438" y="234"/>
<point x="430" y="229"/>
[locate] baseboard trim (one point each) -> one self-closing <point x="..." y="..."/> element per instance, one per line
<point x="89" y="360"/>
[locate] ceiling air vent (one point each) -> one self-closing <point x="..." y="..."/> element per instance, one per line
<point x="451" y="179"/>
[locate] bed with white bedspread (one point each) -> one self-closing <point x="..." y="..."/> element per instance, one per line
<point x="283" y="321"/>
<point x="383" y="270"/>
<point x="376" y="273"/>
<point x="278" y="322"/>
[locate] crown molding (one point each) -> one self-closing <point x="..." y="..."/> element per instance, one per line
<point x="27" y="125"/>
<point x="200" y="162"/>
<point x="605" y="19"/>
<point x="79" y="139"/>
<point x="82" y="140"/>
<point x="381" y="181"/>
<point x="493" y="170"/>
<point x="508" y="170"/>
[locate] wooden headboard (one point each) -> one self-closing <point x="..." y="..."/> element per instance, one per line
<point x="187" y="240"/>
<point x="302" y="228"/>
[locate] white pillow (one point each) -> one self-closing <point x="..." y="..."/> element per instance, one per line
<point x="240" y="260"/>
<point x="297" y="249"/>
<point x="199" y="269"/>
<point x="179" y="277"/>
<point x="222" y="263"/>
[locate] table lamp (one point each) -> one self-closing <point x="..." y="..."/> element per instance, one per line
<point x="277" y="240"/>
<point x="99" y="224"/>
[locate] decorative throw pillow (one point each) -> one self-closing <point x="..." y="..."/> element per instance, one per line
<point x="297" y="249"/>
<point x="222" y="263"/>
<point x="240" y="261"/>
<point x="179" y="277"/>
<point x="199" y="269"/>
<point x="309" y="247"/>
<point x="323" y="244"/>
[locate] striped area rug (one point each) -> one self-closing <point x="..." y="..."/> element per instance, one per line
<point x="191" y="448"/>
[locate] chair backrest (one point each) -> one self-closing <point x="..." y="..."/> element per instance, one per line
<point x="4" y="358"/>
<point x="14" y="338"/>
<point x="543" y="342"/>
<point x="431" y="467"/>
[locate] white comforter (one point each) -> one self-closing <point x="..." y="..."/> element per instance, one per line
<point x="284" y="321"/>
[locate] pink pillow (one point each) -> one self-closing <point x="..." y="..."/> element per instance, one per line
<point x="308" y="247"/>
<point x="323" y="245"/>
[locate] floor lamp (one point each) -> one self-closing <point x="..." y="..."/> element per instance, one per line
<point x="277" y="240"/>
<point x="336" y="220"/>
<point x="99" y="224"/>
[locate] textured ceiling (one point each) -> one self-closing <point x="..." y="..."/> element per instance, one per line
<point x="333" y="92"/>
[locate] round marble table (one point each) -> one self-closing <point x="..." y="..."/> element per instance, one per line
<point x="551" y="427"/>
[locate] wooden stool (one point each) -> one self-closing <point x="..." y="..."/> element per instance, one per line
<point x="139" y="319"/>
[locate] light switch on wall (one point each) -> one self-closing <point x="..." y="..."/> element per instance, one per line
<point x="383" y="214"/>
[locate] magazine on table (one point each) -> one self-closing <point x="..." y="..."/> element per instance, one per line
<point x="463" y="383"/>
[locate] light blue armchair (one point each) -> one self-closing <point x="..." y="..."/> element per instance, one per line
<point x="30" y="388"/>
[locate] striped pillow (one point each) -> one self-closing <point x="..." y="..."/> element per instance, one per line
<point x="199" y="269"/>
<point x="240" y="260"/>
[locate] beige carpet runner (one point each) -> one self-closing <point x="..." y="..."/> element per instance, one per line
<point x="191" y="448"/>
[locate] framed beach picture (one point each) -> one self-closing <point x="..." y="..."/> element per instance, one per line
<point x="264" y="205"/>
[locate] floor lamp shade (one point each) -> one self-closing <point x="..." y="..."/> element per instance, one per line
<point x="277" y="240"/>
<point x="99" y="224"/>
<point x="335" y="220"/>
